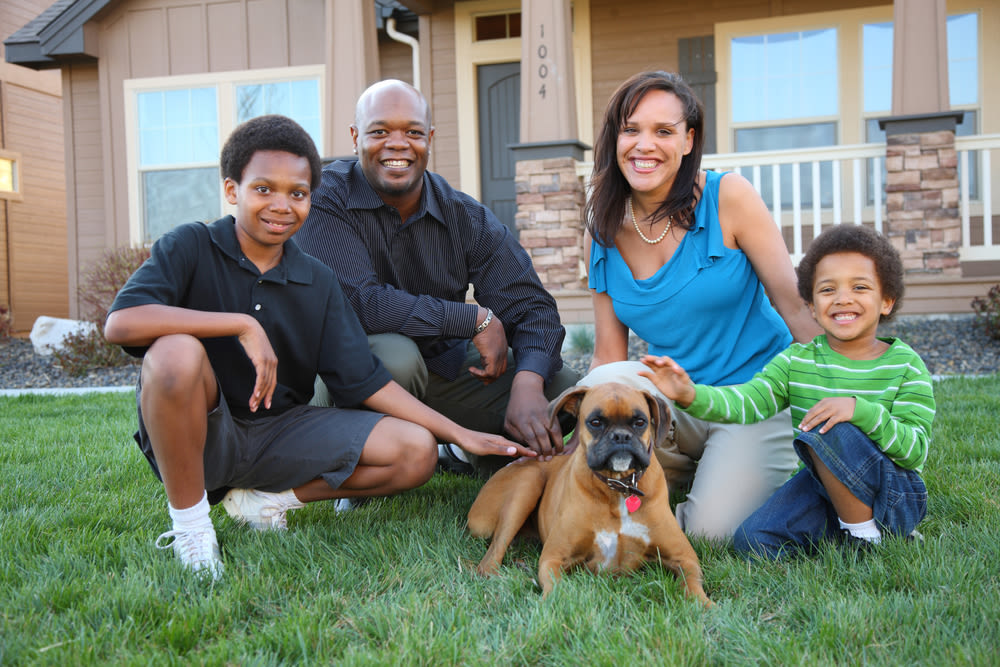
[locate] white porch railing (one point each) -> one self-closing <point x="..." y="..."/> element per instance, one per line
<point x="805" y="189"/>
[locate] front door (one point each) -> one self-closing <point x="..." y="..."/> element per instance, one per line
<point x="499" y="128"/>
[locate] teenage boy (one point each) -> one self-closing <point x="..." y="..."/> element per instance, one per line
<point x="864" y="406"/>
<point x="234" y="322"/>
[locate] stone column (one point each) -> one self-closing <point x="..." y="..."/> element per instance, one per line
<point x="922" y="193"/>
<point x="921" y="163"/>
<point x="550" y="222"/>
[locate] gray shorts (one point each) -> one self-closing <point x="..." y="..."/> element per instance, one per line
<point x="275" y="453"/>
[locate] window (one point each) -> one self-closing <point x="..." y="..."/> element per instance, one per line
<point x="786" y="77"/>
<point x="10" y="186"/>
<point x="176" y="133"/>
<point x="498" y="26"/>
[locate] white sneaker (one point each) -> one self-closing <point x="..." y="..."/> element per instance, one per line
<point x="260" y="509"/>
<point x="197" y="549"/>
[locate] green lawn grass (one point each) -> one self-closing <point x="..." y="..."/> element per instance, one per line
<point x="394" y="581"/>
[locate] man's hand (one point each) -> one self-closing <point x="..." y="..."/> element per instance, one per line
<point x="832" y="410"/>
<point x="669" y="378"/>
<point x="527" y="416"/>
<point x="492" y="345"/>
<point x="265" y="362"/>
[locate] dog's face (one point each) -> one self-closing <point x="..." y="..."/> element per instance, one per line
<point x="617" y="425"/>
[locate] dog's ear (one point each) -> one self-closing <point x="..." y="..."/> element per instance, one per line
<point x="568" y="401"/>
<point x="659" y="414"/>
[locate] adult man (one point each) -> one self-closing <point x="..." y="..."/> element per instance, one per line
<point x="406" y="246"/>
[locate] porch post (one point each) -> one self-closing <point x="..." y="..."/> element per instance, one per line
<point x="550" y="195"/>
<point x="922" y="168"/>
<point x="351" y="64"/>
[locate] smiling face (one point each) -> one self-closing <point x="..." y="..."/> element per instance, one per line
<point x="848" y="303"/>
<point x="652" y="143"/>
<point x="272" y="202"/>
<point x="392" y="137"/>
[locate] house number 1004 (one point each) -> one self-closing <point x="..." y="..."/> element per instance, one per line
<point x="543" y="69"/>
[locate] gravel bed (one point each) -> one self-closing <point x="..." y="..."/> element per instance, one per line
<point x="949" y="345"/>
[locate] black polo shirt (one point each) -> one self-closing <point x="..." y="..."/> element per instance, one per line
<point x="299" y="304"/>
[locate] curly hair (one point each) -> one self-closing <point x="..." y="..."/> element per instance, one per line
<point x="864" y="241"/>
<point x="608" y="186"/>
<point x="268" y="133"/>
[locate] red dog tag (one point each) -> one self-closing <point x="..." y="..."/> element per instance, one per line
<point x="632" y="503"/>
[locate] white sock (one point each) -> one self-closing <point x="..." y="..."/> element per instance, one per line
<point x="289" y="500"/>
<point x="456" y="450"/>
<point x="866" y="530"/>
<point x="191" y="518"/>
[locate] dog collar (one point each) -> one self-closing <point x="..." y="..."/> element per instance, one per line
<point x="628" y="486"/>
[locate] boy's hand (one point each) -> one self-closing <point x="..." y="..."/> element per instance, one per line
<point x="487" y="444"/>
<point x="265" y="362"/>
<point x="669" y="378"/>
<point x="832" y="410"/>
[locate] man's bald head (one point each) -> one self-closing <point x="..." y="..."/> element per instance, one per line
<point x="370" y="100"/>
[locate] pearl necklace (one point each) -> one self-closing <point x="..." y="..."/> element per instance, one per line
<point x="670" y="221"/>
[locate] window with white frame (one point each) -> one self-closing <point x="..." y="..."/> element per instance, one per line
<point x="177" y="129"/>
<point x="963" y="81"/>
<point x="785" y="95"/>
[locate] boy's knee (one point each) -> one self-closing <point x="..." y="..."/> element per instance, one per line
<point x="420" y="456"/>
<point x="174" y="362"/>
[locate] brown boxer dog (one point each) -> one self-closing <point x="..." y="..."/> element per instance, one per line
<point x="605" y="505"/>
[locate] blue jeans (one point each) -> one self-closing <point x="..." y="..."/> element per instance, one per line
<point x="800" y="515"/>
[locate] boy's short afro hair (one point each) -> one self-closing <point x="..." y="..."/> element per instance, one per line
<point x="268" y="133"/>
<point x="864" y="241"/>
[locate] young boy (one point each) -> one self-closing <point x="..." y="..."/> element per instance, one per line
<point x="234" y="322"/>
<point x="864" y="405"/>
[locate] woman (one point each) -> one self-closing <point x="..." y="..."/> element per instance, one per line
<point x="683" y="258"/>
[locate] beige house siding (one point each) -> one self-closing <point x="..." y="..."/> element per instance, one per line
<point x="87" y="217"/>
<point x="37" y="234"/>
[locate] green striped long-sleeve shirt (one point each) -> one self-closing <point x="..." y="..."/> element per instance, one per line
<point x="894" y="395"/>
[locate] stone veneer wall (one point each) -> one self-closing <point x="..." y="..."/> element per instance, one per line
<point x="549" y="220"/>
<point x="922" y="201"/>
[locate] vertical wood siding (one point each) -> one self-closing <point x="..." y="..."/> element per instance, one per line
<point x="36" y="226"/>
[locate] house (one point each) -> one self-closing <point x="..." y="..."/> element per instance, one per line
<point x="152" y="87"/>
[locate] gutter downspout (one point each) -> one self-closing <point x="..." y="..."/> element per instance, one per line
<point x="390" y="29"/>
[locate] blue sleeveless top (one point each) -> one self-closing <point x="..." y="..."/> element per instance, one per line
<point x="705" y="307"/>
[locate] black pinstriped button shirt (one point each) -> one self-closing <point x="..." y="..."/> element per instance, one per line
<point x="412" y="278"/>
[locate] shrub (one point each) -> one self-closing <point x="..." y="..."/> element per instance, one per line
<point x="988" y="311"/>
<point x="5" y="322"/>
<point x="98" y="287"/>
<point x="581" y="340"/>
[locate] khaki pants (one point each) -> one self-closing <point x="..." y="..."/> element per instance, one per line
<point x="730" y="469"/>
<point x="465" y="400"/>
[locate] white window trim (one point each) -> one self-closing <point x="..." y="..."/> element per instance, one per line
<point x="225" y="84"/>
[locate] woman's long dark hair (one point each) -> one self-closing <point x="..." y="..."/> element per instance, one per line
<point x="608" y="187"/>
